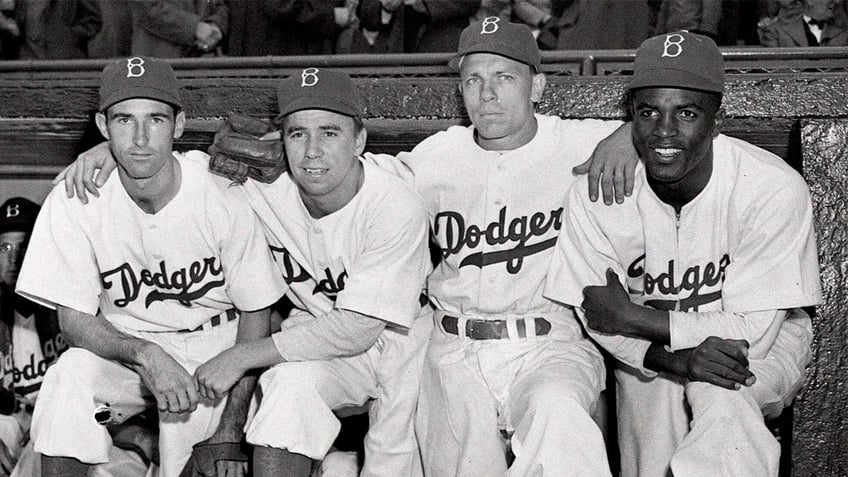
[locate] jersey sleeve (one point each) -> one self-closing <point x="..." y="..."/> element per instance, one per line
<point x="253" y="280"/>
<point x="774" y="262"/>
<point x="758" y="328"/>
<point x="392" y="164"/>
<point x="387" y="278"/>
<point x="581" y="258"/>
<point x="60" y="267"/>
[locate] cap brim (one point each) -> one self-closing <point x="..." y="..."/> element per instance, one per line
<point x="673" y="78"/>
<point x="455" y="62"/>
<point x="141" y="92"/>
<point x="17" y="227"/>
<point x="324" y="103"/>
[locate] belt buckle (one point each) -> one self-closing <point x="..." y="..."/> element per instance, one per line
<point x="469" y="329"/>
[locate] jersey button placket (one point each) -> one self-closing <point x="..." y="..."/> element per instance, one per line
<point x="152" y="237"/>
<point x="497" y="201"/>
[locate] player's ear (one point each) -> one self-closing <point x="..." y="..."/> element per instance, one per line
<point x="539" y="82"/>
<point x="359" y="141"/>
<point x="179" y="124"/>
<point x="718" y="121"/>
<point x="100" y="120"/>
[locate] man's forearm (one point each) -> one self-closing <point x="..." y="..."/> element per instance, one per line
<point x="660" y="360"/>
<point x="96" y="334"/>
<point x="253" y="326"/>
<point x="647" y="323"/>
<point x="336" y="334"/>
<point x="234" y="416"/>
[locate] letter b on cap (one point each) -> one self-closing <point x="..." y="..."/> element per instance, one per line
<point x="135" y="67"/>
<point x="490" y="25"/>
<point x="673" y="46"/>
<point x="309" y="77"/>
<point x="13" y="210"/>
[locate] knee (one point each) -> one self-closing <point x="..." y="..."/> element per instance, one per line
<point x="288" y="378"/>
<point x="75" y="370"/>
<point x="718" y="403"/>
<point x="555" y="404"/>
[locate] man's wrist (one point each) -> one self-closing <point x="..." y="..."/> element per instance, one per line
<point x="142" y="353"/>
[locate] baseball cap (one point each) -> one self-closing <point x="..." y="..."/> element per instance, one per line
<point x="18" y="214"/>
<point x="498" y="36"/>
<point x="139" y="77"/>
<point x="317" y="88"/>
<point x="679" y="60"/>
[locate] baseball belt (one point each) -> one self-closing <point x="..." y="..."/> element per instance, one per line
<point x="495" y="329"/>
<point x="216" y="320"/>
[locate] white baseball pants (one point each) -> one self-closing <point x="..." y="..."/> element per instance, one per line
<point x="63" y="422"/>
<point x="727" y="435"/>
<point x="298" y="399"/>
<point x="542" y="390"/>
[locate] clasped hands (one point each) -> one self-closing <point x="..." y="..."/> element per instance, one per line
<point x="722" y="362"/>
<point x="176" y="390"/>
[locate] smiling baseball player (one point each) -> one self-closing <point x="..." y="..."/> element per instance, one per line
<point x="716" y="251"/>
<point x="351" y="242"/>
<point x="146" y="280"/>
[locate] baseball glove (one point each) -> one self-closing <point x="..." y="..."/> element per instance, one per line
<point x="238" y="153"/>
<point x="204" y="456"/>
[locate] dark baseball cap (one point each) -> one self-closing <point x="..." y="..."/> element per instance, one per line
<point x="679" y="60"/>
<point x="318" y="88"/>
<point x="18" y="214"/>
<point x="139" y="77"/>
<point x="498" y="36"/>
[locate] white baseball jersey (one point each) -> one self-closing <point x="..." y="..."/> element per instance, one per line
<point x="745" y="246"/>
<point x="203" y="253"/>
<point x="32" y="354"/>
<point x="496" y="214"/>
<point x="746" y="243"/>
<point x="369" y="257"/>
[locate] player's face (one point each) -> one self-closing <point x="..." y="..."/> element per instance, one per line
<point x="499" y="95"/>
<point x="12" y="248"/>
<point x="141" y="135"/>
<point x="673" y="131"/>
<point x="323" y="151"/>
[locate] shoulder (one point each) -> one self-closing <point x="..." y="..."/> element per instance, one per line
<point x="755" y="165"/>
<point x="758" y="178"/>
<point x="211" y="187"/>
<point x="390" y="188"/>
<point x="387" y="195"/>
<point x="446" y="140"/>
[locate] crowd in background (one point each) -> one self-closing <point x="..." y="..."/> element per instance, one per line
<point x="68" y="29"/>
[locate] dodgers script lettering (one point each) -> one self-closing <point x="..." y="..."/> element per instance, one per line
<point x="694" y="279"/>
<point x="454" y="236"/>
<point x="182" y="280"/>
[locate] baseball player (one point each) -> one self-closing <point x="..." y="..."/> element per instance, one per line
<point x="148" y="282"/>
<point x="502" y="358"/>
<point x="351" y="242"/>
<point x="716" y="250"/>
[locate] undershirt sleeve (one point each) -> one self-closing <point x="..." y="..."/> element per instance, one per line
<point x="759" y="328"/>
<point x="336" y="334"/>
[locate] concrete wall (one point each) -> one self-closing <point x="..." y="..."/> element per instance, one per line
<point x="802" y="117"/>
